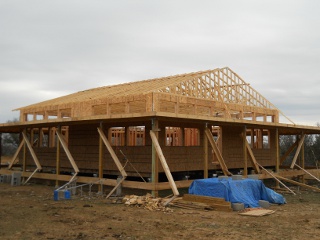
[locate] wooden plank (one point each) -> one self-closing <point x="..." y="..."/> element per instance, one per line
<point x="66" y="149"/>
<point x="310" y="174"/>
<point x="291" y="148"/>
<point x="245" y="152"/>
<point x="297" y="151"/>
<point x="205" y="157"/>
<point x="252" y="157"/>
<point x="33" y="154"/>
<point x="257" y="212"/>
<point x="16" y="154"/>
<point x="155" y="158"/>
<point x="164" y="163"/>
<point x="199" y="206"/>
<point x="298" y="183"/>
<point x="277" y="179"/>
<point x="205" y="199"/>
<point x="112" y="153"/>
<point x="58" y="156"/>
<point x="217" y="152"/>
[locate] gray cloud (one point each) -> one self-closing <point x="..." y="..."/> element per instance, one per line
<point x="52" y="48"/>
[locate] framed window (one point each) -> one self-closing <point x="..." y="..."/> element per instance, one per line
<point x="136" y="136"/>
<point x="259" y="138"/>
<point x="117" y="136"/>
<point x="173" y="136"/>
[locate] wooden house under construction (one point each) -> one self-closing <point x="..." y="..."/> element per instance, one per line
<point x="162" y="130"/>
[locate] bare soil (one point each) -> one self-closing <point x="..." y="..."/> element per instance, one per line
<point x="30" y="212"/>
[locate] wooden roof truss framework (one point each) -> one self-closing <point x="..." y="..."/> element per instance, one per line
<point x="213" y="93"/>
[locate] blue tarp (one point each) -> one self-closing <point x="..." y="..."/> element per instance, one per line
<point x="247" y="191"/>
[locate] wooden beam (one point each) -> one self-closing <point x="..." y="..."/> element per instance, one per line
<point x="307" y="172"/>
<point x="58" y="150"/>
<point x="252" y="157"/>
<point x="277" y="145"/>
<point x="155" y="158"/>
<point x="276" y="177"/>
<point x="112" y="153"/>
<point x="66" y="149"/>
<point x="205" y="156"/>
<point x="115" y="187"/>
<point x="245" y="152"/>
<point x="16" y="154"/>
<point x="101" y="154"/>
<point x="298" y="183"/>
<point x="164" y="163"/>
<point x="217" y="152"/>
<point x="107" y="182"/>
<point x="297" y="151"/>
<point x="33" y="154"/>
<point x="291" y="148"/>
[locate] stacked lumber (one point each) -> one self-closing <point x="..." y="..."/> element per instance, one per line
<point x="147" y="202"/>
<point x="190" y="201"/>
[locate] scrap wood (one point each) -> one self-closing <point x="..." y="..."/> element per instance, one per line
<point x="147" y="201"/>
<point x="256" y="212"/>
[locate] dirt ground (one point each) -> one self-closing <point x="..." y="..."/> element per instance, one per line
<point x="30" y="212"/>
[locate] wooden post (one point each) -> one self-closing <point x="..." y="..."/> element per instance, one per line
<point x="252" y="157"/>
<point x="302" y="161"/>
<point x="277" y="155"/>
<point x="34" y="156"/>
<point x="155" y="158"/>
<point x="0" y="149"/>
<point x="24" y="161"/>
<point x="101" y="154"/>
<point x="245" y="153"/>
<point x="164" y="164"/>
<point x="66" y="149"/>
<point x="58" y="157"/>
<point x="205" y="153"/>
<point x="297" y="151"/>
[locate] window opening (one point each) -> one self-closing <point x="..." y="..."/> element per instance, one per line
<point x="117" y="136"/>
<point x="136" y="136"/>
<point x="173" y="136"/>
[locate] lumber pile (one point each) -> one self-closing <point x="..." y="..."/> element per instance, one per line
<point x="197" y="202"/>
<point x="147" y="202"/>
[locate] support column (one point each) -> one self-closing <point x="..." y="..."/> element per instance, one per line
<point x="58" y="157"/>
<point x="155" y="158"/>
<point x="0" y="148"/>
<point x="101" y="154"/>
<point x="205" y="154"/>
<point x="24" y="160"/>
<point x="277" y="146"/>
<point x="245" y="152"/>
<point x="302" y="161"/>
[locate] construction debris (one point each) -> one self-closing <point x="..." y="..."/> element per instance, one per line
<point x="147" y="202"/>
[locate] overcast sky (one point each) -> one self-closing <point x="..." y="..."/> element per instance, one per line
<point x="53" y="48"/>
